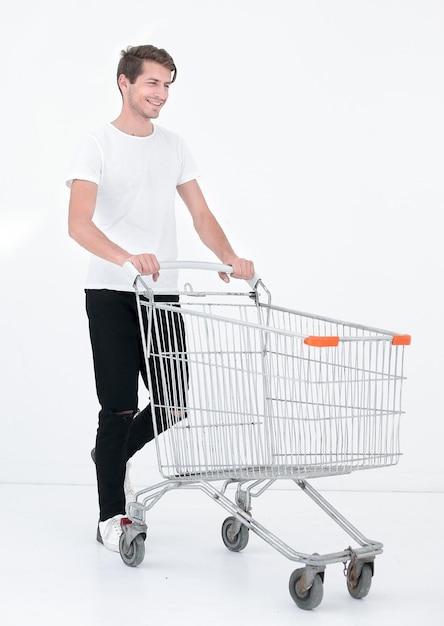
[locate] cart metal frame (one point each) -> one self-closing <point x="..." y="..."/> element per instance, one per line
<point x="263" y="393"/>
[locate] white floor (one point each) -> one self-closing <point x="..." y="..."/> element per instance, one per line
<point x="53" y="571"/>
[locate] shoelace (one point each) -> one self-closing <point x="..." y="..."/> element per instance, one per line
<point x="115" y="522"/>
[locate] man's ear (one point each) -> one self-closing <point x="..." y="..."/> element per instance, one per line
<point x="123" y="82"/>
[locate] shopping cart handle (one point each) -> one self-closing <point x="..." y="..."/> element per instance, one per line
<point x="133" y="274"/>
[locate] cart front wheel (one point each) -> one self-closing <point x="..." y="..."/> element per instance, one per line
<point x="136" y="553"/>
<point x="359" y="588"/>
<point x="312" y="597"/>
<point x="234" y="542"/>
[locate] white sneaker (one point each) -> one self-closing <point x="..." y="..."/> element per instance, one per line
<point x="130" y="494"/>
<point x="109" y="531"/>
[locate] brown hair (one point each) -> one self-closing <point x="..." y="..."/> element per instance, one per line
<point x="131" y="61"/>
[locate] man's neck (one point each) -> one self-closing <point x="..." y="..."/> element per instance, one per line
<point x="136" y="128"/>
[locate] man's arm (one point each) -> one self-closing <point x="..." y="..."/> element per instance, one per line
<point x="211" y="233"/>
<point x="82" y="229"/>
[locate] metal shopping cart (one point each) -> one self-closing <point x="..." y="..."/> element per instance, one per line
<point x="245" y="393"/>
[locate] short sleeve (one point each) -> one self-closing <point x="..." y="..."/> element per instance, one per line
<point x="189" y="170"/>
<point x="87" y="162"/>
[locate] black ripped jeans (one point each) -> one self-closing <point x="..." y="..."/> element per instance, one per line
<point x="118" y="361"/>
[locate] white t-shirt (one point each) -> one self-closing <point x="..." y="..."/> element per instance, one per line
<point x="137" y="179"/>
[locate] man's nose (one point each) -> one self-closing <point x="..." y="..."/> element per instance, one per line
<point x="161" y="92"/>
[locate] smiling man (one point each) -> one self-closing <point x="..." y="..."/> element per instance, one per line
<point x="123" y="181"/>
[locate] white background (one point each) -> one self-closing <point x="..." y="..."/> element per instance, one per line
<point x="318" y="128"/>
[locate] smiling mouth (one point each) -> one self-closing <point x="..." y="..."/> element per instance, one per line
<point x="155" y="103"/>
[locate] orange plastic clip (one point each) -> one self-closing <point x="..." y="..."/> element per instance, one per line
<point x="401" y="340"/>
<point x="321" y="342"/>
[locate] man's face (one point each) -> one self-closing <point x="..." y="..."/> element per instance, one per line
<point x="147" y="95"/>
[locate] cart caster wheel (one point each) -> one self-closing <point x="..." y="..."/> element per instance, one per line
<point x="136" y="553"/>
<point x="359" y="588"/>
<point x="312" y="597"/>
<point x="238" y="542"/>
